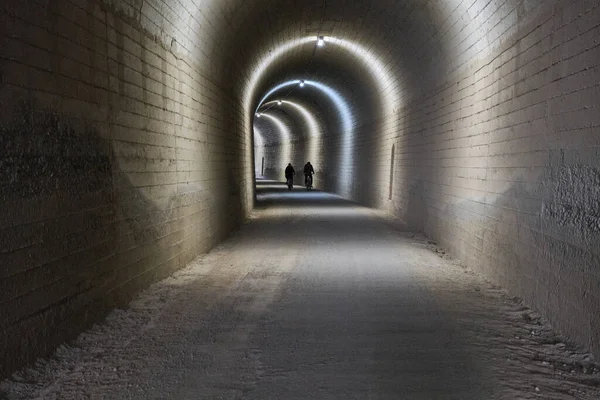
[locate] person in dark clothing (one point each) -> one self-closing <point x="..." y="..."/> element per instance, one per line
<point x="289" y="175"/>
<point x="308" y="173"/>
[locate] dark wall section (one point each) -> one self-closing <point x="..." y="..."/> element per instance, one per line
<point x="119" y="162"/>
<point x="57" y="230"/>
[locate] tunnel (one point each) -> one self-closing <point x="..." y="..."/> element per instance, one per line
<point x="137" y="136"/>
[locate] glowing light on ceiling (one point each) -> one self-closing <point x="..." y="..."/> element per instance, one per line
<point x="320" y="41"/>
<point x="379" y="72"/>
<point x="347" y="122"/>
<point x="342" y="106"/>
<point x="263" y="64"/>
<point x="301" y="84"/>
<point x="311" y="122"/>
<point x="386" y="87"/>
<point x="314" y="130"/>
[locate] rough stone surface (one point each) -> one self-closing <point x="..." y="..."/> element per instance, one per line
<point x="509" y="183"/>
<point x="117" y="167"/>
<point x="490" y="107"/>
<point x="317" y="298"/>
<point x="495" y="139"/>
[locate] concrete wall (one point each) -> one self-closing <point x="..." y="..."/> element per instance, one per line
<point x="496" y="138"/>
<point x="503" y="162"/>
<point x="126" y="132"/>
<point x="120" y="160"/>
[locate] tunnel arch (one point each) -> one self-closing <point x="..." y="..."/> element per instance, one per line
<point x="345" y="117"/>
<point x="490" y="107"/>
<point x="312" y="126"/>
<point x="383" y="81"/>
<point x="460" y="70"/>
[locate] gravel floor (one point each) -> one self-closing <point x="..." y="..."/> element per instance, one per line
<point x="317" y="298"/>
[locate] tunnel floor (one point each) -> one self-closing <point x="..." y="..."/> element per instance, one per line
<point x="317" y="298"/>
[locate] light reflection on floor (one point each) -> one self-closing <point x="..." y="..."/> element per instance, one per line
<point x="272" y="195"/>
<point x="317" y="299"/>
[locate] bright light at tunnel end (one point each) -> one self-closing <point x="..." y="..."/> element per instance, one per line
<point x="345" y="115"/>
<point x="314" y="131"/>
<point x="390" y="94"/>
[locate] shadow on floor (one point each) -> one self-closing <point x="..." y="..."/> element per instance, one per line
<point x="315" y="302"/>
<point x="276" y="194"/>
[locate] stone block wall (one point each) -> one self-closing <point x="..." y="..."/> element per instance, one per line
<point x="494" y="130"/>
<point x="502" y="163"/>
<point x="119" y="160"/>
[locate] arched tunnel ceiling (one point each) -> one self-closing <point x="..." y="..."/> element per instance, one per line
<point x="276" y="125"/>
<point x="303" y="120"/>
<point x="332" y="83"/>
<point x="417" y="41"/>
<point x="377" y="51"/>
<point x="411" y="35"/>
<point x="454" y="115"/>
<point x="381" y="56"/>
<point x="397" y="32"/>
<point x="407" y="46"/>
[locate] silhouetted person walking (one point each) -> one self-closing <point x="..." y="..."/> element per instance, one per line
<point x="289" y="176"/>
<point x="308" y="173"/>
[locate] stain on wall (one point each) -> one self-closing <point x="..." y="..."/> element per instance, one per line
<point x="108" y="176"/>
<point x="56" y="230"/>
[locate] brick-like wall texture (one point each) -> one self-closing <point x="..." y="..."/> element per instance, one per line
<point x="496" y="140"/>
<point x="504" y="160"/>
<point x="126" y="133"/>
<point x="303" y="141"/>
<point x="119" y="160"/>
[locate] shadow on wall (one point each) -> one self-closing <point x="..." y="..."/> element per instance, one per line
<point x="568" y="242"/>
<point x="546" y="239"/>
<point x="417" y="206"/>
<point x="72" y="247"/>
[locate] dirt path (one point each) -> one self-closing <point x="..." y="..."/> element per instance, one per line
<point x="317" y="298"/>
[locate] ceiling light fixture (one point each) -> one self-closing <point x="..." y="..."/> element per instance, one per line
<point x="320" y="41"/>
